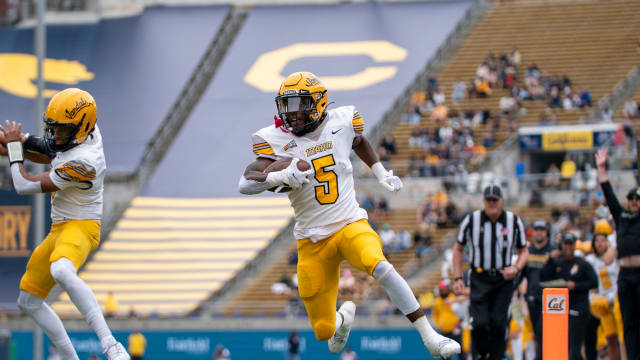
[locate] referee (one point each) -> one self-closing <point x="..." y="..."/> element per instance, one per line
<point x="628" y="248"/>
<point x="492" y="234"/>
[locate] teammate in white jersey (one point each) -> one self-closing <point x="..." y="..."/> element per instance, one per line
<point x="604" y="302"/>
<point x="73" y="146"/>
<point x="330" y="225"/>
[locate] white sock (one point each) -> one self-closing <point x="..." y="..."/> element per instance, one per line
<point x="424" y="328"/>
<point x="49" y="322"/>
<point x="64" y="272"/>
<point x="397" y="288"/>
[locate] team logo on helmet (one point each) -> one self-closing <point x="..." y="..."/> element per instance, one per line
<point x="76" y="109"/>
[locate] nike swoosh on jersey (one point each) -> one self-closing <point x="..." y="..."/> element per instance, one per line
<point x="335" y="132"/>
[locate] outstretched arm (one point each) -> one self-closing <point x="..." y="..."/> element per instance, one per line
<point x="612" y="201"/>
<point x="365" y="152"/>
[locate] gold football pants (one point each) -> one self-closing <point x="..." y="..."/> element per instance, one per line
<point x="319" y="270"/>
<point x="72" y="239"/>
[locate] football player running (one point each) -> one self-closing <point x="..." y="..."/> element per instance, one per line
<point x="330" y="225"/>
<point x="73" y="146"/>
<point x="603" y="303"/>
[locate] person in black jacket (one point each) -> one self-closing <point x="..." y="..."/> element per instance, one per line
<point x="580" y="278"/>
<point x="628" y="254"/>
<point x="294" y="346"/>
<point x="540" y="250"/>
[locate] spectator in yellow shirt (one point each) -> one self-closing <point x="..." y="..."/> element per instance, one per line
<point x="567" y="170"/>
<point x="444" y="319"/>
<point x="137" y="345"/>
<point x="111" y="305"/>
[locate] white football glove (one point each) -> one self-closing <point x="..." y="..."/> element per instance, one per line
<point x="386" y="178"/>
<point x="391" y="182"/>
<point x="291" y="176"/>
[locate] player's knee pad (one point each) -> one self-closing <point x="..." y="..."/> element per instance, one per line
<point x="324" y="330"/>
<point x="600" y="306"/>
<point x="28" y="303"/>
<point x="310" y="280"/>
<point x="63" y="271"/>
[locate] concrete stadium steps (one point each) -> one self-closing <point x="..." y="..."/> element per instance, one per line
<point x="431" y="281"/>
<point x="166" y="255"/>
<point x="593" y="42"/>
<point x="257" y="297"/>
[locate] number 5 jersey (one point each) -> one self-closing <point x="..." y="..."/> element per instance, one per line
<point x="328" y="202"/>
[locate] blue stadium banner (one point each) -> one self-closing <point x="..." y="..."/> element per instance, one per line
<point x="568" y="137"/>
<point x="388" y="344"/>
<point x="16" y="243"/>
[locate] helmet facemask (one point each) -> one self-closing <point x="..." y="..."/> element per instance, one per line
<point x="294" y="107"/>
<point x="55" y="141"/>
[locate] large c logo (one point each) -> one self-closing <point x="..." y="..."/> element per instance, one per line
<point x="265" y="74"/>
<point x="19" y="71"/>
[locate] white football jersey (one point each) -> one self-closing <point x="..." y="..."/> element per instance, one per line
<point x="328" y="202"/>
<point x="607" y="276"/>
<point x="79" y="174"/>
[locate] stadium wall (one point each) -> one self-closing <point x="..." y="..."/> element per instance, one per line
<point x="379" y="344"/>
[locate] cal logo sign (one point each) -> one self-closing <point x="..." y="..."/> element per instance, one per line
<point x="14" y="231"/>
<point x="266" y="72"/>
<point x="556" y="304"/>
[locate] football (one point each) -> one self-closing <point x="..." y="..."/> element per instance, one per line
<point x="282" y="164"/>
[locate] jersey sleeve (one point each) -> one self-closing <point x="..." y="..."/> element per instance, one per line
<point x="520" y="234"/>
<point x="74" y="173"/>
<point x="262" y="148"/>
<point x="357" y="122"/>
<point x="462" y="232"/>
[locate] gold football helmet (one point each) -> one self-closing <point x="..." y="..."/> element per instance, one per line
<point x="69" y="119"/>
<point x="301" y="102"/>
<point x="603" y="227"/>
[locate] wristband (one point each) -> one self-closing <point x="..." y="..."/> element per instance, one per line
<point x="14" y="149"/>
<point x="379" y="171"/>
<point x="458" y="278"/>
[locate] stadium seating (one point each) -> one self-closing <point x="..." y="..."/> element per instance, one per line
<point x="593" y="42"/>
<point x="166" y="255"/>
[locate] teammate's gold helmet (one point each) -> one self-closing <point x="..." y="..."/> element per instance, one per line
<point x="302" y="95"/>
<point x="69" y="119"/>
<point x="603" y="227"/>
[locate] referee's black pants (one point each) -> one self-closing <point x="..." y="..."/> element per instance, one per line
<point x="535" y="314"/>
<point x="591" y="337"/>
<point x="577" y="332"/>
<point x="490" y="299"/>
<point x="629" y="298"/>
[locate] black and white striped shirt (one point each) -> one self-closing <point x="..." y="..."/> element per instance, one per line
<point x="492" y="243"/>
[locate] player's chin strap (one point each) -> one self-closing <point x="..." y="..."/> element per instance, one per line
<point x="22" y="185"/>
